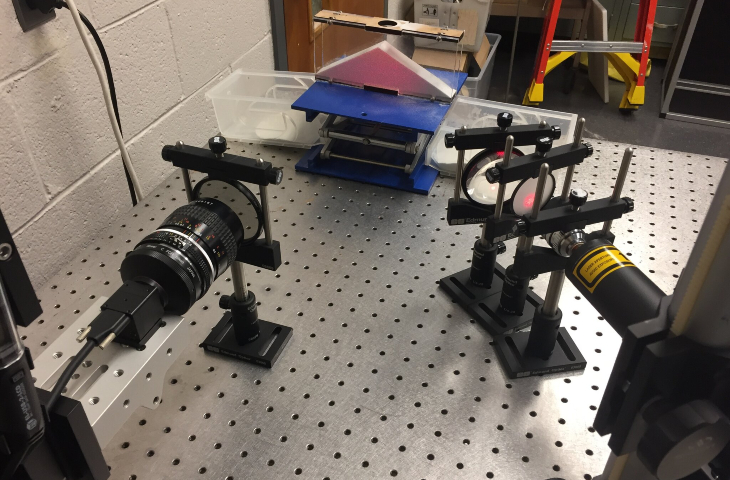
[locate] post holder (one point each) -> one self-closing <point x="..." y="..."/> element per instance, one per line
<point x="241" y="334"/>
<point x="264" y="350"/>
<point x="483" y="303"/>
<point x="546" y="348"/>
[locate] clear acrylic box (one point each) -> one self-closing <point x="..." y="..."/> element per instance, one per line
<point x="256" y="107"/>
<point x="477" y="113"/>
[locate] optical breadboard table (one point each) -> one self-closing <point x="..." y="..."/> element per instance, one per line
<point x="384" y="375"/>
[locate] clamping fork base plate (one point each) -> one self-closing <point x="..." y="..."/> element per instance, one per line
<point x="483" y="303"/>
<point x="265" y="350"/>
<point x="511" y="351"/>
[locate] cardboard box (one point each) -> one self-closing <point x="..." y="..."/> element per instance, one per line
<point x="483" y="53"/>
<point x="441" y="59"/>
<point x="446" y="60"/>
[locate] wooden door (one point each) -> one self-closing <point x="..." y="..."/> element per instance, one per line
<point x="301" y="30"/>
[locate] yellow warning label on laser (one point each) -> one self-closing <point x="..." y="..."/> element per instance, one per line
<point x="598" y="264"/>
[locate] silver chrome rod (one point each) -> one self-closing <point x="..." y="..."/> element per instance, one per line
<point x="267" y="216"/>
<point x="540" y="190"/>
<point x="186" y="176"/>
<point x="524" y="243"/>
<point x="240" y="289"/>
<point x="552" y="295"/>
<point x="619" y="186"/>
<point x="362" y="160"/>
<point x="571" y="169"/>
<point x="459" y="168"/>
<point x="408" y="147"/>
<point x="579" y="131"/>
<point x="508" y="145"/>
<point x="188" y="184"/>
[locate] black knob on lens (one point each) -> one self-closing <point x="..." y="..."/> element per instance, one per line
<point x="192" y="247"/>
<point x="218" y="144"/>
<point x="504" y="120"/>
<point x="543" y="145"/>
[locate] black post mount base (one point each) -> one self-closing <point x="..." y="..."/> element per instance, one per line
<point x="517" y="364"/>
<point x="241" y="334"/>
<point x="483" y="303"/>
<point x="265" y="350"/>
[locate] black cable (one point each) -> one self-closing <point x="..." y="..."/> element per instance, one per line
<point x="110" y="82"/>
<point x="68" y="373"/>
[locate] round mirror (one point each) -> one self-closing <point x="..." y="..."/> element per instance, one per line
<point x="523" y="197"/>
<point x="474" y="182"/>
<point x="239" y="198"/>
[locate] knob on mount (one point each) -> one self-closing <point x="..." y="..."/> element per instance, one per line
<point x="504" y="120"/>
<point x="556" y="132"/>
<point x="578" y="197"/>
<point x="543" y="145"/>
<point x="218" y="145"/>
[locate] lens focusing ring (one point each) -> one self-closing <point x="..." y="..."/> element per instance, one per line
<point x="218" y="234"/>
<point x="198" y="256"/>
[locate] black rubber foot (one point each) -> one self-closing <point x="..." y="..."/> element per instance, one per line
<point x="483" y="303"/>
<point x="511" y="347"/>
<point x="265" y="350"/>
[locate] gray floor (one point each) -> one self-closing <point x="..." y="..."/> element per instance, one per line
<point x="603" y="120"/>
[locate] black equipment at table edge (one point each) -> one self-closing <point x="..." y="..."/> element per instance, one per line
<point x="35" y="442"/>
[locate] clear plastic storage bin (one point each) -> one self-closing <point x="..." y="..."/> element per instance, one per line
<point x="478" y="87"/>
<point x="477" y="113"/>
<point x="256" y="107"/>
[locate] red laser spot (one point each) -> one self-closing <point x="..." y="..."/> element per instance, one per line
<point x="529" y="200"/>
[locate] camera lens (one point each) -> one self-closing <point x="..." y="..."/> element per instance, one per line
<point x="189" y="250"/>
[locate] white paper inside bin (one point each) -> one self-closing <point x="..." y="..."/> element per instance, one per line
<point x="477" y="113"/>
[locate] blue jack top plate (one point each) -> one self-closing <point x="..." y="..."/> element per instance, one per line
<point x="418" y="114"/>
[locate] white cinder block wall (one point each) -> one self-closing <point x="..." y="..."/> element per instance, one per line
<point x="62" y="177"/>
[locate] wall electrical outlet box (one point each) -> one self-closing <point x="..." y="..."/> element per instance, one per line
<point x="31" y="18"/>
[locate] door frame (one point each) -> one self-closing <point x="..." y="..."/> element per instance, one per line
<point x="278" y="32"/>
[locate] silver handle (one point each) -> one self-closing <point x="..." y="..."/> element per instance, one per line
<point x="664" y="26"/>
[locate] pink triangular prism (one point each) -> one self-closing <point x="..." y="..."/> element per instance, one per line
<point x="384" y="66"/>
